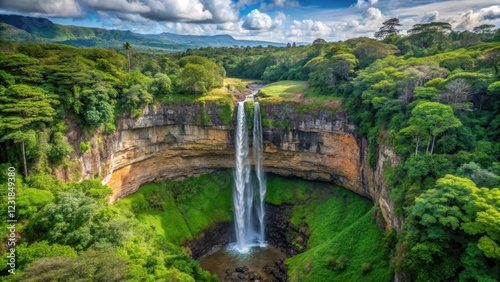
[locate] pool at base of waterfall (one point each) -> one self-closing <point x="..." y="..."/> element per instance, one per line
<point x="259" y="264"/>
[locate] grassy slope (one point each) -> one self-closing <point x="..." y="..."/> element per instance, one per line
<point x="338" y="220"/>
<point x="221" y="94"/>
<point x="208" y="201"/>
<point x="295" y="91"/>
<point x="286" y="89"/>
<point x="340" y="226"/>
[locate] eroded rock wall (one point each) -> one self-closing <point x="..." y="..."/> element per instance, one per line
<point x="182" y="140"/>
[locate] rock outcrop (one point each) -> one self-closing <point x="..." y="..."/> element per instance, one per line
<point x="181" y="140"/>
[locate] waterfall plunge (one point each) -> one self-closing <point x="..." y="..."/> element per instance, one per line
<point x="258" y="151"/>
<point x="243" y="191"/>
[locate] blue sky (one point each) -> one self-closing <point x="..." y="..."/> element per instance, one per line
<point x="271" y="20"/>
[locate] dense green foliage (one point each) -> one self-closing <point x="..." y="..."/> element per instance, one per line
<point x="29" y="29"/>
<point x="344" y="244"/>
<point x="71" y="232"/>
<point x="433" y="96"/>
<point x="455" y="230"/>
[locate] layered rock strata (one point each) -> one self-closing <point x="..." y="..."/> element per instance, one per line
<point x="182" y="140"/>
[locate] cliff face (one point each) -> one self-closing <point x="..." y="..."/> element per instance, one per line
<point x="179" y="141"/>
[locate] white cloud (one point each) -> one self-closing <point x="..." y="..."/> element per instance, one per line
<point x="429" y="17"/>
<point x="213" y="11"/>
<point x="373" y="19"/>
<point x="122" y="6"/>
<point x="365" y="3"/>
<point x="471" y="19"/>
<point x="191" y="29"/>
<point x="255" y="20"/>
<point x="54" y="8"/>
<point x="267" y="23"/>
<point x="279" y="4"/>
<point x="309" y="29"/>
<point x="222" y="10"/>
<point x="135" y="18"/>
<point x="490" y="13"/>
<point x="244" y="3"/>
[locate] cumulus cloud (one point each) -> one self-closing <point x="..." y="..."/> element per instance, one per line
<point x="309" y="28"/>
<point x="54" y="8"/>
<point x="245" y="3"/>
<point x="373" y="19"/>
<point x="279" y="4"/>
<point x="365" y="3"/>
<point x="490" y="13"/>
<point x="123" y="6"/>
<point x="429" y="17"/>
<point x="472" y="19"/>
<point x="136" y="18"/>
<point x="211" y="11"/>
<point x="191" y="29"/>
<point x="255" y="20"/>
<point x="214" y="11"/>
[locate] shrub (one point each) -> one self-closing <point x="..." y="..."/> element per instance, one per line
<point x="85" y="146"/>
<point x="366" y="268"/>
<point x="337" y="264"/>
<point x="308" y="267"/>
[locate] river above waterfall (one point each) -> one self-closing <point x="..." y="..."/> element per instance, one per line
<point x="226" y="260"/>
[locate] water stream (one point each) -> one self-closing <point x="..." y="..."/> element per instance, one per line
<point x="247" y="203"/>
<point x="258" y="151"/>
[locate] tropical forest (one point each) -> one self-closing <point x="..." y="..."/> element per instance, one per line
<point x="137" y="157"/>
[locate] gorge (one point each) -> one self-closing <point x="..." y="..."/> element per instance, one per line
<point x="317" y="146"/>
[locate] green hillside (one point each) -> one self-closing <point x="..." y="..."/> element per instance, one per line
<point x="29" y="29"/>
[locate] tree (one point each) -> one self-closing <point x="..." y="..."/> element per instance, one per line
<point x="491" y="58"/>
<point x="42" y="249"/>
<point x="434" y="117"/>
<point x="89" y="266"/>
<point x="418" y="133"/>
<point x="194" y="78"/>
<point x="32" y="200"/>
<point x="98" y="104"/>
<point x="484" y="28"/>
<point x="482" y="177"/>
<point x="426" y="35"/>
<point x="215" y="72"/>
<point x="457" y="94"/>
<point x="128" y="48"/>
<point x="388" y="28"/>
<point x="368" y="51"/>
<point x="23" y="108"/>
<point x="161" y="85"/>
<point x="453" y="232"/>
<point x="319" y="41"/>
<point x="467" y="38"/>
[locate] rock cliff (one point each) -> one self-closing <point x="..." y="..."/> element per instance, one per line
<point x="181" y="140"/>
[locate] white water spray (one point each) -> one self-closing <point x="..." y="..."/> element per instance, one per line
<point x="243" y="191"/>
<point x="258" y="151"/>
<point x="241" y="182"/>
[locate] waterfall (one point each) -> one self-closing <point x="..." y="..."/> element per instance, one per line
<point x="243" y="189"/>
<point x="242" y="185"/>
<point x="258" y="151"/>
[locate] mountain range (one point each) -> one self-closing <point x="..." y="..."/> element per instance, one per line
<point x="41" y="30"/>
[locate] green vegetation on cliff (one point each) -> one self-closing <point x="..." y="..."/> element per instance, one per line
<point x="344" y="243"/>
<point x="178" y="211"/>
<point x="433" y="95"/>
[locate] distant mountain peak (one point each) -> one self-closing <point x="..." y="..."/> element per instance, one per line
<point x="26" y="23"/>
<point x="97" y="37"/>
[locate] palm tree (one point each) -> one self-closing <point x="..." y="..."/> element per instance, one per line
<point x="128" y="47"/>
